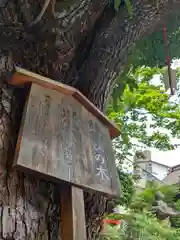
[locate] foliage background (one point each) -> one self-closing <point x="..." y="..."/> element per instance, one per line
<point x="147" y="117"/>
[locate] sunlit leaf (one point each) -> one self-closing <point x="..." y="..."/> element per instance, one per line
<point x="117" y="4"/>
<point x="129" y="7"/>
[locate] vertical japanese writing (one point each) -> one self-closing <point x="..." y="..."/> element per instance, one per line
<point x="37" y="127"/>
<point x="78" y="144"/>
<point x="32" y="125"/>
<point x="57" y="129"/>
<point x="46" y="139"/>
<point x="68" y="158"/>
<point x="67" y="134"/>
<point x="76" y="128"/>
<point x="100" y="159"/>
<point x="101" y="170"/>
<point x="34" y="102"/>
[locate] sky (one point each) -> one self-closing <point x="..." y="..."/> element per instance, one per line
<point x="169" y="158"/>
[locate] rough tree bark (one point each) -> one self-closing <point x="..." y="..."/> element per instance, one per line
<point x="86" y="46"/>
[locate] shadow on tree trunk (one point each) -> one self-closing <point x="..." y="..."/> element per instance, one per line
<point x="30" y="208"/>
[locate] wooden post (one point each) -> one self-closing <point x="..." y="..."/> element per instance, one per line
<point x="64" y="138"/>
<point x="73" y="226"/>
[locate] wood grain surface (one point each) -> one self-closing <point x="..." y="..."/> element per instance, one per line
<point x="73" y="225"/>
<point x="23" y="77"/>
<point x="62" y="140"/>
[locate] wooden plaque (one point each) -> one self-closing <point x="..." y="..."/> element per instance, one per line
<point x="61" y="139"/>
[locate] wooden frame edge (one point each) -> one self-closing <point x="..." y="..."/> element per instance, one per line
<point x="21" y="77"/>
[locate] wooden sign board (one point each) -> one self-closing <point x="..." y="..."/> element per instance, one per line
<point x="23" y="77"/>
<point x="61" y="139"/>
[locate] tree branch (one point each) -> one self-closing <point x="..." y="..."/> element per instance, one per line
<point x="111" y="45"/>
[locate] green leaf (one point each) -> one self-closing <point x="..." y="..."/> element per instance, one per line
<point x="150" y="50"/>
<point x="136" y="103"/>
<point x="140" y="222"/>
<point x="129" y="8"/>
<point x="117" y="4"/>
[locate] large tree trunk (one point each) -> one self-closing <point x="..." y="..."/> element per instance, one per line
<point x="85" y="46"/>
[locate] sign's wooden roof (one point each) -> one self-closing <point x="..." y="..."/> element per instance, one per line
<point x="22" y="77"/>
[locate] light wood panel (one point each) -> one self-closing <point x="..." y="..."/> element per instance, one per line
<point x="22" y="77"/>
<point x="62" y="140"/>
<point x="73" y="225"/>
